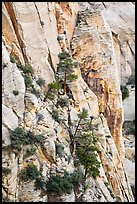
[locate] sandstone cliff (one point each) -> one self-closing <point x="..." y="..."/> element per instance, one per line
<point x="33" y="34"/>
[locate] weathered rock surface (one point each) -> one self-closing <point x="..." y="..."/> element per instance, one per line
<point x="93" y="49"/>
<point x="129" y="113"/>
<point x="103" y="46"/>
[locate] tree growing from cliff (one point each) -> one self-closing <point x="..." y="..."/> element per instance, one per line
<point x="85" y="142"/>
<point x="65" y="69"/>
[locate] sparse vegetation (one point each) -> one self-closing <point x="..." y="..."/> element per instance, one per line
<point x="63" y="102"/>
<point x="60" y="184"/>
<point x="129" y="127"/>
<point x="65" y="69"/>
<point x="16" y="93"/>
<point x="39" y="138"/>
<point x="6" y="171"/>
<point x="77" y="177"/>
<point x="125" y="92"/>
<point x="56" y="116"/>
<point x="30" y="151"/>
<point x="21" y="137"/>
<point x="39" y="183"/>
<point x="30" y="173"/>
<point x="27" y="69"/>
<point x="28" y="80"/>
<point x="86" y="149"/>
<point x="12" y="59"/>
<point x="54" y="89"/>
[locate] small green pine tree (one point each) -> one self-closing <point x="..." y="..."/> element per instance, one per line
<point x="65" y="69"/>
<point x="86" y="149"/>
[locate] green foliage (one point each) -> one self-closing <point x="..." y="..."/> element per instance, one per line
<point x="54" y="86"/>
<point x="40" y="82"/>
<point x="106" y="184"/>
<point x="59" y="149"/>
<point x="16" y="93"/>
<point x="71" y="77"/>
<point x="129" y="127"/>
<point x="86" y="149"/>
<point x="39" y="138"/>
<point x="49" y="95"/>
<point x="63" y="55"/>
<point x="5" y="171"/>
<point x="30" y="151"/>
<point x="83" y="114"/>
<point x="63" y="102"/>
<point x="27" y="72"/>
<point x="60" y="184"/>
<point x="77" y="177"/>
<point x="30" y="173"/>
<point x="54" y="89"/>
<point x="56" y="116"/>
<point x="125" y="92"/>
<point x="65" y="69"/>
<point x="28" y="80"/>
<point x="88" y="158"/>
<point x="39" y="183"/>
<point x="19" y="65"/>
<point x="27" y="69"/>
<point x="19" y="138"/>
<point x="12" y="59"/>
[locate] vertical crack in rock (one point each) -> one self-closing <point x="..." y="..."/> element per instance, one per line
<point x="16" y="26"/>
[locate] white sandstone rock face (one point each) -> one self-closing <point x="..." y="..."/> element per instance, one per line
<point x="65" y="198"/>
<point x="5" y="136"/>
<point x="41" y="42"/>
<point x="9" y="119"/>
<point x="31" y="102"/>
<point x="28" y="194"/>
<point x="129" y="162"/>
<point x="121" y="19"/>
<point x="31" y="32"/>
<point x="12" y="81"/>
<point x="129" y="113"/>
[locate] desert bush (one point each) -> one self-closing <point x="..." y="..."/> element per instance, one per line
<point x="30" y="173"/>
<point x="60" y="184"/>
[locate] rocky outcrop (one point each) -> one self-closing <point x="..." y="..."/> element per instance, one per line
<point x="93" y="40"/>
<point x="34" y="33"/>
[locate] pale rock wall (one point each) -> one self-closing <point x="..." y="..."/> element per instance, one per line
<point x="31" y="33"/>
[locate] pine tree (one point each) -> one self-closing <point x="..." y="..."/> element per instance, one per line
<point x="65" y="69"/>
<point x="86" y="149"/>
